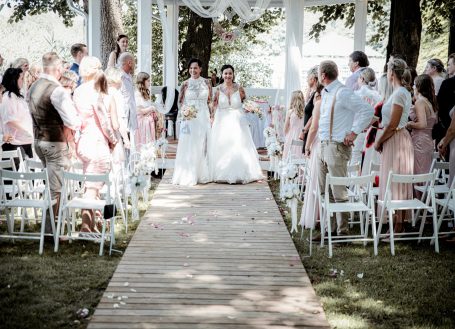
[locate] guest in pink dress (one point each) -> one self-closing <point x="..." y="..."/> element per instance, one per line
<point x="310" y="209"/>
<point x="423" y="116"/>
<point x="293" y="125"/>
<point x="146" y="112"/>
<point x="395" y="144"/>
<point x="93" y="147"/>
<point x="15" y="115"/>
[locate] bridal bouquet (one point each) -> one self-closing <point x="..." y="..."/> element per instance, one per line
<point x="189" y="112"/>
<point x="251" y="106"/>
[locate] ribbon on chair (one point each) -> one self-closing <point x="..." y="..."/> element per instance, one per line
<point x="292" y="204"/>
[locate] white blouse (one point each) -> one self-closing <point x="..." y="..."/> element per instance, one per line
<point x="401" y="97"/>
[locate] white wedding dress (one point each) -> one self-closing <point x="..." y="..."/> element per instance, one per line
<point x="191" y="164"/>
<point x="232" y="157"/>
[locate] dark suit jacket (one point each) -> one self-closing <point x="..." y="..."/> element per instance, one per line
<point x="446" y="101"/>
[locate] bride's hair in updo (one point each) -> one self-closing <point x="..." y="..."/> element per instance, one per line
<point x="225" y="67"/>
<point x="194" y="60"/>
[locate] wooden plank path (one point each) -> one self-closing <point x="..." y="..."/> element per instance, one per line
<point x="210" y="256"/>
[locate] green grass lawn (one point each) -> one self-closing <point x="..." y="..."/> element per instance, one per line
<point x="47" y="291"/>
<point x="414" y="289"/>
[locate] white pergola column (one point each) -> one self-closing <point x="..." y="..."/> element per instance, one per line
<point x="94" y="28"/>
<point x="173" y="23"/>
<point x="360" y="25"/>
<point x="294" y="42"/>
<point x="144" y="35"/>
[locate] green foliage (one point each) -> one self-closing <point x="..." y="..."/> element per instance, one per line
<point x="436" y="14"/>
<point x="37" y="7"/>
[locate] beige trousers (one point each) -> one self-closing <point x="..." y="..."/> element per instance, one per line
<point x="333" y="159"/>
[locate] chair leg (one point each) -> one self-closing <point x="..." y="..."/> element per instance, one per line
<point x="57" y="232"/>
<point x="392" y="242"/>
<point x="373" y="229"/>
<point x="43" y="225"/>
<point x="329" y="233"/>
<point x="422" y="224"/>
<point x="435" y="233"/>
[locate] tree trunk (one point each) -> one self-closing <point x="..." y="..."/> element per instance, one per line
<point x="452" y="32"/>
<point x="405" y="30"/>
<point x="111" y="27"/>
<point x="198" y="43"/>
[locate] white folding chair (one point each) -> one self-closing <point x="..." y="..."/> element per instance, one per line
<point x="355" y="204"/>
<point x="67" y="203"/>
<point x="447" y="202"/>
<point x="390" y="206"/>
<point x="45" y="204"/>
<point x="17" y="157"/>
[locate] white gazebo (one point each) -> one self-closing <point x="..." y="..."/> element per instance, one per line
<point x="294" y="10"/>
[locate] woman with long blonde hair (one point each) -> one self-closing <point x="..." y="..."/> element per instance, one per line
<point x="146" y="111"/>
<point x="294" y="124"/>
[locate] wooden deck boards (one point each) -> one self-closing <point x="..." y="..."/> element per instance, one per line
<point x="210" y="256"/>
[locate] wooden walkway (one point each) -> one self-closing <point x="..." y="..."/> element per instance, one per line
<point x="210" y="256"/>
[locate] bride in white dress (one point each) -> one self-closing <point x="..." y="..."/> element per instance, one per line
<point x="232" y="157"/>
<point x="191" y="164"/>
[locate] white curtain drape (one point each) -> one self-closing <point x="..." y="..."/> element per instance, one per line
<point x="240" y="7"/>
<point x="294" y="40"/>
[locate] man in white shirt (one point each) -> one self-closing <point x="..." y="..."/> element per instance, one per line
<point x="343" y="115"/>
<point x="52" y="110"/>
<point x="126" y="63"/>
<point x="357" y="61"/>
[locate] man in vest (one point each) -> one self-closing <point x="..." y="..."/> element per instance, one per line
<point x="52" y="110"/>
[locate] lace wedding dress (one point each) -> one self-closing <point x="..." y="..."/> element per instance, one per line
<point x="232" y="157"/>
<point x="191" y="166"/>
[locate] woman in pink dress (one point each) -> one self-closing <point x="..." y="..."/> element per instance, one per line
<point x="93" y="147"/>
<point x="310" y="209"/>
<point x="293" y="125"/>
<point x="423" y="118"/>
<point x="146" y="112"/>
<point x="395" y="144"/>
<point x="15" y="115"/>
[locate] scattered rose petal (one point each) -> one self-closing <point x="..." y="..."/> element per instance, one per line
<point x="266" y="212"/>
<point x="184" y="235"/>
<point x="341" y="272"/>
<point x="126" y="284"/>
<point x="9" y="286"/>
<point x="122" y="303"/>
<point x="116" y="306"/>
<point x="184" y="219"/>
<point x="188" y="256"/>
<point x="124" y="297"/>
<point x="315" y="312"/>
<point x="133" y="290"/>
<point x="110" y="296"/>
<point x="185" y="265"/>
<point x="333" y="273"/>
<point x="82" y="313"/>
<point x="243" y="205"/>
<point x="189" y="275"/>
<point x="267" y="199"/>
<point x="360" y="275"/>
<point x="119" y="298"/>
<point x="231" y="317"/>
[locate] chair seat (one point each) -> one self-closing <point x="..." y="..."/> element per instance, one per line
<point x="405" y="204"/>
<point x="86" y="204"/>
<point x="27" y="203"/>
<point x="443" y="202"/>
<point x="438" y="189"/>
<point x="347" y="207"/>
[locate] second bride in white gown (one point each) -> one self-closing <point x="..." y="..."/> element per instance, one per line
<point x="232" y="157"/>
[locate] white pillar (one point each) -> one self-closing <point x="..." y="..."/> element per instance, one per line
<point x="173" y="23"/>
<point x="360" y="25"/>
<point x="94" y="28"/>
<point x="144" y="35"/>
<point x="294" y="41"/>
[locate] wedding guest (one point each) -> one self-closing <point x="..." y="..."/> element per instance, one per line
<point x="15" y="114"/>
<point x="450" y="66"/>
<point x="127" y="64"/>
<point x="97" y="136"/>
<point x="78" y="51"/>
<point x="343" y="115"/>
<point x="293" y="125"/>
<point x="33" y="74"/>
<point x="23" y="64"/>
<point x="446" y="101"/>
<point x="448" y="141"/>
<point x="172" y="114"/>
<point x="357" y="60"/>
<point x="423" y="117"/>
<point x="312" y="81"/>
<point x="114" y="81"/>
<point x="395" y="144"/>
<point x="52" y="110"/>
<point x="1" y="64"/>
<point x="69" y="81"/>
<point x="146" y="112"/>
<point x="435" y="69"/>
<point x="367" y="92"/>
<point x="120" y="48"/>
<point x="4" y="138"/>
<point x="310" y="209"/>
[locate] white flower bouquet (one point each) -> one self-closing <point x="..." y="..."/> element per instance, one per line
<point x="290" y="191"/>
<point x="274" y="149"/>
<point x="188" y="112"/>
<point x="289" y="171"/>
<point x="251" y="106"/>
<point x="269" y="132"/>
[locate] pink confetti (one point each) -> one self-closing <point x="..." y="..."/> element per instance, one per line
<point x="184" y="235"/>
